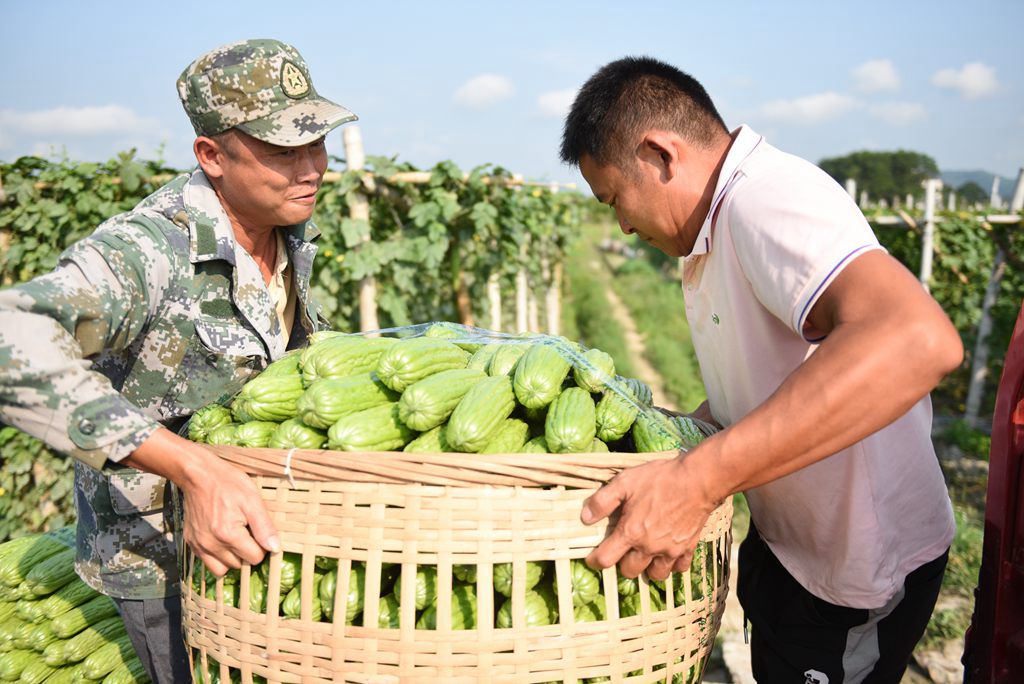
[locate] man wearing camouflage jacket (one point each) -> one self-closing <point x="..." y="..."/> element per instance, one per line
<point x="163" y="310"/>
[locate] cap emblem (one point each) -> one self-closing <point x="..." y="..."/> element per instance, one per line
<point x="293" y="81"/>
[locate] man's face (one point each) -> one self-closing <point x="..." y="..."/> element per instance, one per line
<point x="644" y="203"/>
<point x="268" y="185"/>
<point x="640" y="201"/>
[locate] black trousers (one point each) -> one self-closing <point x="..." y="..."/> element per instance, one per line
<point x="154" y="627"/>
<point x="797" y="637"/>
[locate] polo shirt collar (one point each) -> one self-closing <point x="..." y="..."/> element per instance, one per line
<point x="745" y="141"/>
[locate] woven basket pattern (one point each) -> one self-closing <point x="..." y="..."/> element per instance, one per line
<point x="443" y="510"/>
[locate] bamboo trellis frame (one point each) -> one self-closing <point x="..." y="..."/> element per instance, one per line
<point x="359" y="210"/>
<point x="979" y="359"/>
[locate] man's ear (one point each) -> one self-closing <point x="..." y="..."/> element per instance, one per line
<point x="662" y="150"/>
<point x="210" y="154"/>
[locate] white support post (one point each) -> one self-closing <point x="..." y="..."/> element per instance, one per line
<point x="979" y="362"/>
<point x="359" y="209"/>
<point x="994" y="199"/>
<point x="932" y="187"/>
<point x="1017" y="202"/>
<point x="553" y="295"/>
<point x="553" y="303"/>
<point x="863" y="199"/>
<point x="494" y="300"/>
<point x="532" y="311"/>
<point x="522" y="285"/>
<point x="546" y="278"/>
<point x="909" y="204"/>
<point x="851" y="188"/>
<point x="951" y="206"/>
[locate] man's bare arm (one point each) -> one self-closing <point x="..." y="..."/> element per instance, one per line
<point x="888" y="344"/>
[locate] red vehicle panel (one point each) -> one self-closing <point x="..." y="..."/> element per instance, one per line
<point x="995" y="642"/>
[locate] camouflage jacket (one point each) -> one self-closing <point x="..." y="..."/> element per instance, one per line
<point x="156" y="314"/>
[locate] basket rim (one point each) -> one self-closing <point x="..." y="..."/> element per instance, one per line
<point x="585" y="470"/>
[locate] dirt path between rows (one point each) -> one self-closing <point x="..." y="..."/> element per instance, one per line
<point x="635" y="344"/>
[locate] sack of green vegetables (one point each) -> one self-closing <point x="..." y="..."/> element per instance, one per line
<point x="54" y="628"/>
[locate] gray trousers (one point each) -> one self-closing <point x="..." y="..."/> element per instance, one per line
<point x="154" y="627"/>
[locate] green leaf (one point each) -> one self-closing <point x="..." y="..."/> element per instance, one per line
<point x="354" y="232"/>
<point x="424" y="213"/>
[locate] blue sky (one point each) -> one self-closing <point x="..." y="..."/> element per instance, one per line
<point x="481" y="82"/>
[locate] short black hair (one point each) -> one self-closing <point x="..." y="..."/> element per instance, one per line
<point x="227" y="141"/>
<point x="630" y="95"/>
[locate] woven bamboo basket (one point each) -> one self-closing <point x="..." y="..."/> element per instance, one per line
<point x="411" y="510"/>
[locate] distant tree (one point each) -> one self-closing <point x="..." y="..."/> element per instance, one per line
<point x="971" y="193"/>
<point x="883" y="174"/>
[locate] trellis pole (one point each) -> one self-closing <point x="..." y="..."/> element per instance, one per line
<point x="359" y="210"/>
<point x="1017" y="202"/>
<point x="522" y="285"/>
<point x="979" y="361"/>
<point x="932" y="186"/>
<point x="553" y="305"/>
<point x="532" y="312"/>
<point x="993" y="197"/>
<point x="494" y="300"/>
<point x="553" y="294"/>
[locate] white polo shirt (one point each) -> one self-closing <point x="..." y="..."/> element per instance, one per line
<point x="852" y="526"/>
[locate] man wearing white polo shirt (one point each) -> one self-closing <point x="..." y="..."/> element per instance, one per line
<point x="818" y="351"/>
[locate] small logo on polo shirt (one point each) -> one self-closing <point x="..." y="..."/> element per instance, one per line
<point x="716" y="319"/>
<point x="815" y="677"/>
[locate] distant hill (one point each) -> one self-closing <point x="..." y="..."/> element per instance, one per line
<point x="955" y="179"/>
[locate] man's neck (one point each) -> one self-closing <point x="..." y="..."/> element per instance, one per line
<point x="259" y="241"/>
<point x="709" y="190"/>
<point x="700" y="214"/>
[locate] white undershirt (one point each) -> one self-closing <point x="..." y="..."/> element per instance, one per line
<point x="280" y="288"/>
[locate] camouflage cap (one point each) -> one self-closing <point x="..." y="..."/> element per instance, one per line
<point x="261" y="87"/>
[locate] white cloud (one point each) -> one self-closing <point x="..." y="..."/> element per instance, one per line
<point x="75" y="121"/>
<point x="972" y="80"/>
<point x="898" y="113"/>
<point x="556" y="103"/>
<point x="809" y="109"/>
<point x="483" y="91"/>
<point x="876" y="75"/>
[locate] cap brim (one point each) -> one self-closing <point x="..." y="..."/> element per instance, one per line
<point x="302" y="123"/>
